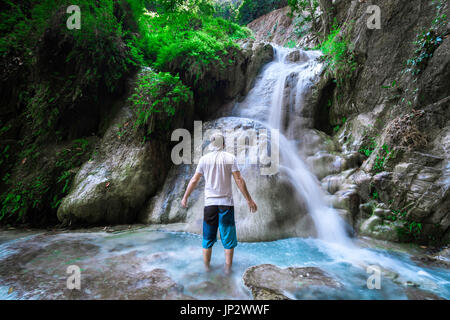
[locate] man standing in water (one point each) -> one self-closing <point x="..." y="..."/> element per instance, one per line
<point x="217" y="167"/>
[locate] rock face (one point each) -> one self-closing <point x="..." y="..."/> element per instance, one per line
<point x="268" y="282"/>
<point x="279" y="214"/>
<point x="398" y="119"/>
<point x="277" y="27"/>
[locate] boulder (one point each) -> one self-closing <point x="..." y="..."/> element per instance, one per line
<point x="297" y="56"/>
<point x="381" y="229"/>
<point x="269" y="282"/>
<point x="418" y="294"/>
<point x="114" y="184"/>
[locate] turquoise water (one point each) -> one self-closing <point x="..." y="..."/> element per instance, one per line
<point x="181" y="255"/>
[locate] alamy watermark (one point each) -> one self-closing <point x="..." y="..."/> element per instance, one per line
<point x="374" y="20"/>
<point x="74" y="279"/>
<point x="250" y="146"/>
<point x="374" y="280"/>
<point x="74" y="20"/>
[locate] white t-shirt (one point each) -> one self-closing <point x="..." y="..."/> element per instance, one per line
<point x="217" y="168"/>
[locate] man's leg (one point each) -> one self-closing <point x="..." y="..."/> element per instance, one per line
<point x="227" y="230"/>
<point x="207" y="258"/>
<point x="228" y="260"/>
<point x="210" y="225"/>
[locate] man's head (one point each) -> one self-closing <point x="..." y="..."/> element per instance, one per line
<point x="217" y="141"/>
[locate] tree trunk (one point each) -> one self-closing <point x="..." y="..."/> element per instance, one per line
<point x="328" y="15"/>
<point x="313" y="16"/>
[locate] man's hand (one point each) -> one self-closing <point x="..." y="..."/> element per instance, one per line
<point x="184" y="202"/>
<point x="252" y="205"/>
<point x="191" y="186"/>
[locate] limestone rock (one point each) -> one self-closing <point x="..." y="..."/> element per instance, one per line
<point x="269" y="282"/>
<point x="378" y="228"/>
<point x="116" y="181"/>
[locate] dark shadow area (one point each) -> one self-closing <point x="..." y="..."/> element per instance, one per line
<point x="322" y="113"/>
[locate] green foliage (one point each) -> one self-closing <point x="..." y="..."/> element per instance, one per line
<point x="427" y="42"/>
<point x="375" y="195"/>
<point x="227" y="10"/>
<point x="301" y="27"/>
<point x="71" y="67"/>
<point x="384" y="153"/>
<point x="157" y="93"/>
<point x="38" y="192"/>
<point x="308" y="14"/>
<point x="339" y="58"/>
<point x="290" y="44"/>
<point x="250" y="10"/>
<point x="20" y="198"/>
<point x="67" y="160"/>
<point x="407" y="230"/>
<point x="167" y="39"/>
<point x="4" y="154"/>
<point x="367" y="150"/>
<point x="343" y="121"/>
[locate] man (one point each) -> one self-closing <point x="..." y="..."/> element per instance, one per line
<point x="217" y="167"/>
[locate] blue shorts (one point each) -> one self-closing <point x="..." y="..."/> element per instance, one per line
<point x="221" y="217"/>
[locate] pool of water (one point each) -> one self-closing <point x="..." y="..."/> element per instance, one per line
<point x="34" y="266"/>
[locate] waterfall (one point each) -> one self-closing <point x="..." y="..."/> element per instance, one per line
<point x="269" y="97"/>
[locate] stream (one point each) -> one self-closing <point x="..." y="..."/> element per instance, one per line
<point x="115" y="265"/>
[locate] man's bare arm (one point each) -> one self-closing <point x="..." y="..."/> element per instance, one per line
<point x="191" y="186"/>
<point x="240" y="182"/>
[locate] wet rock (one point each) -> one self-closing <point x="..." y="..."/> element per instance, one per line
<point x="314" y="141"/>
<point x="268" y="282"/>
<point x="440" y="259"/>
<point x="379" y="228"/>
<point x="382" y="213"/>
<point x="114" y="184"/>
<point x="418" y="294"/>
<point x="219" y="286"/>
<point x="260" y="54"/>
<point x="366" y="210"/>
<point x="324" y="164"/>
<point x="347" y="200"/>
<point x="339" y="181"/>
<point x="363" y="181"/>
<point x="297" y="56"/>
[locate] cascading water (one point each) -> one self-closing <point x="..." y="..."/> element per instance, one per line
<point x="269" y="97"/>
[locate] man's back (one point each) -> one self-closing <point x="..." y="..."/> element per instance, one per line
<point x="217" y="168"/>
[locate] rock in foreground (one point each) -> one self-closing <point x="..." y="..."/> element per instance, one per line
<point x="268" y="282"/>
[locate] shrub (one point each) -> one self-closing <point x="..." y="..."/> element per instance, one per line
<point x="308" y="13"/>
<point x="158" y="93"/>
<point x="250" y="10"/>
<point x="339" y="58"/>
<point x="427" y="42"/>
